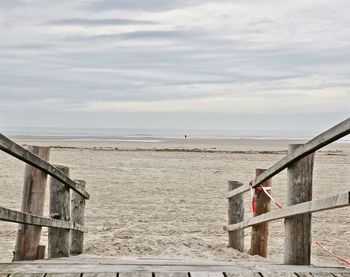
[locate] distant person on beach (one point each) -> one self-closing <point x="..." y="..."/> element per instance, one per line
<point x="185" y="136"/>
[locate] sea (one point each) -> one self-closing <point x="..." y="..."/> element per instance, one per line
<point x="142" y="134"/>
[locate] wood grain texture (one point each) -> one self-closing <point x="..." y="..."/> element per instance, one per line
<point x="29" y="219"/>
<point x="340" y="130"/>
<point x="59" y="239"/>
<point x="77" y="215"/>
<point x="33" y="201"/>
<point x="102" y="274"/>
<point x="260" y="232"/>
<point x="243" y="274"/>
<point x="278" y="274"/>
<point x="182" y="274"/>
<point x="170" y="274"/>
<point x="328" y="203"/>
<point x="320" y="274"/>
<point x="41" y="252"/>
<point x="86" y="265"/>
<point x="135" y="274"/>
<point x="64" y="275"/>
<point x="297" y="229"/>
<point x="113" y="265"/>
<point x="235" y="215"/>
<point x="26" y="275"/>
<point x="206" y="274"/>
<point x="23" y="154"/>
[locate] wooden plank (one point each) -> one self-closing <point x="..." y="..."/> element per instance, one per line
<point x="235" y="214"/>
<point x="163" y="267"/>
<point x="117" y="260"/>
<point x="182" y="274"/>
<point x="58" y="239"/>
<point x="25" y="218"/>
<point x="318" y="274"/>
<point x="205" y="274"/>
<point x="155" y="264"/>
<point x="297" y="245"/>
<point x="170" y="274"/>
<point x="23" y="154"/>
<point x="177" y="264"/>
<point x="135" y="274"/>
<point x="299" y="269"/>
<point x="36" y="267"/>
<point x="102" y="274"/>
<point x="33" y="201"/>
<point x="332" y="202"/>
<point x="242" y="274"/>
<point x="260" y="232"/>
<point x="277" y="274"/>
<point x="25" y="267"/>
<point x="77" y="214"/>
<point x="327" y="137"/>
<point x="26" y="275"/>
<point x="64" y="275"/>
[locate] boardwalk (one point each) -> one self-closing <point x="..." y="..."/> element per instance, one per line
<point x="85" y="265"/>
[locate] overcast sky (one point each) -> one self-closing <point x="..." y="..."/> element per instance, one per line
<point x="176" y="64"/>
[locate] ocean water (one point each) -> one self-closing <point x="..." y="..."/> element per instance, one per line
<point x="125" y="133"/>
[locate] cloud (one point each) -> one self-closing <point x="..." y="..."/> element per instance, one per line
<point x="160" y="34"/>
<point x="236" y="104"/>
<point x="10" y="4"/>
<point x="179" y="56"/>
<point x="98" y="22"/>
<point x="149" y="5"/>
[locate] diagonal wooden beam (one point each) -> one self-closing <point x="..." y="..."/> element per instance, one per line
<point x="327" y="137"/>
<point x="28" y="157"/>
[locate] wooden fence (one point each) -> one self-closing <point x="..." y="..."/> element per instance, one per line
<point x="66" y="222"/>
<point x="299" y="203"/>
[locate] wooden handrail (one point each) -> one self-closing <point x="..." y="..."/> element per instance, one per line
<point x="23" y="154"/>
<point x="332" y="202"/>
<point x="25" y="218"/>
<point x="340" y="130"/>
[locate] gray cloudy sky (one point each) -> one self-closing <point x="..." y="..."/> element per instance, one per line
<point x="178" y="64"/>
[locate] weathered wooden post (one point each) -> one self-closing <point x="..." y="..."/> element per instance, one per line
<point x="235" y="215"/>
<point x="260" y="232"/>
<point x="297" y="229"/>
<point x="58" y="239"/>
<point x="33" y="201"/>
<point x="77" y="215"/>
<point x="41" y="252"/>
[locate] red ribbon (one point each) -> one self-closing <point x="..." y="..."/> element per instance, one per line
<point x="334" y="255"/>
<point x="269" y="195"/>
<point x="265" y="190"/>
<point x="252" y="197"/>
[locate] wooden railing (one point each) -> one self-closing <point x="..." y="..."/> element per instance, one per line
<point x="66" y="223"/>
<point x="297" y="213"/>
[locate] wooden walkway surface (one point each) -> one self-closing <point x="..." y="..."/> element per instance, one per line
<point x="88" y="266"/>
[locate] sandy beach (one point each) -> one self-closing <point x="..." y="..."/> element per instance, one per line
<point x="157" y="197"/>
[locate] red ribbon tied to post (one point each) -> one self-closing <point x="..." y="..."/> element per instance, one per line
<point x="266" y="191"/>
<point x="252" y="196"/>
